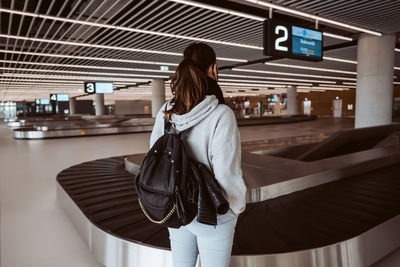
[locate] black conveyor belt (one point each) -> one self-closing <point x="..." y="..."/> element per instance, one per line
<point x="311" y="218"/>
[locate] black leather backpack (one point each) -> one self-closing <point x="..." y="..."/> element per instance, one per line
<point x="172" y="189"/>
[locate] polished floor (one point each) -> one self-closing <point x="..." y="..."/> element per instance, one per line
<point x="34" y="230"/>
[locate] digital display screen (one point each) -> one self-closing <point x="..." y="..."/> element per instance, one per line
<point x="44" y="101"/>
<point x="62" y="97"/>
<point x="104" y="88"/>
<point x="306" y="42"/>
<point x="285" y="40"/>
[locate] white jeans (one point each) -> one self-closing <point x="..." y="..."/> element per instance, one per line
<point x="214" y="244"/>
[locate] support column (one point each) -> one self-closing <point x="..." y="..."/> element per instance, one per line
<point x="72" y="105"/>
<point x="25" y="108"/>
<point x="53" y="107"/>
<point x="100" y="108"/>
<point x="291" y="100"/>
<point x="374" y="94"/>
<point x="157" y="95"/>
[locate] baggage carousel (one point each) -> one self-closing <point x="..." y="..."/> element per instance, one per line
<point x="77" y="126"/>
<point x="331" y="204"/>
<point x="22" y="122"/>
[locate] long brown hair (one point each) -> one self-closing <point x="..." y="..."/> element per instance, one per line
<point x="189" y="83"/>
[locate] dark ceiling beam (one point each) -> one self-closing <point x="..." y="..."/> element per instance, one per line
<point x="131" y="85"/>
<point x="240" y="6"/>
<point x="273" y="58"/>
<point x="340" y="46"/>
<point x="251" y="62"/>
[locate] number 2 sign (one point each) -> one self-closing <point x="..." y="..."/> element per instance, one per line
<point x="278" y="41"/>
<point x="286" y="40"/>
<point x="277" y="38"/>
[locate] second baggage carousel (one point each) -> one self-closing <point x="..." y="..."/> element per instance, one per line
<point x="102" y="125"/>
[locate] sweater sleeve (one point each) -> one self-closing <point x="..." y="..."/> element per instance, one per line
<point x="226" y="159"/>
<point x="158" y="128"/>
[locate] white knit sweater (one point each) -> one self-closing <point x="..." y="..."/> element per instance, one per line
<point x="213" y="140"/>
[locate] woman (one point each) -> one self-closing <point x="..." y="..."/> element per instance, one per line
<point x="213" y="140"/>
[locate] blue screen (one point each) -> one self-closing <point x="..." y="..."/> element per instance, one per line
<point x="62" y="97"/>
<point x="306" y="42"/>
<point x="104" y="88"/>
<point x="44" y="101"/>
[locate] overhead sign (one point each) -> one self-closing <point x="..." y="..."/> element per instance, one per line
<point x="99" y="87"/>
<point x="104" y="88"/>
<point x="286" y="40"/>
<point x="44" y="101"/>
<point x="164" y="68"/>
<point x="59" y="97"/>
<point x="62" y="97"/>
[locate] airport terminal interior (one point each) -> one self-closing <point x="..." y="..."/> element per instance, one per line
<point x="315" y="89"/>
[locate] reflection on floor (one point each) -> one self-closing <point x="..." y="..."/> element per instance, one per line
<point x="34" y="230"/>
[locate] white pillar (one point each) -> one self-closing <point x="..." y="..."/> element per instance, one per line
<point x="374" y="94"/>
<point x="72" y="105"/>
<point x="100" y="108"/>
<point x="157" y="95"/>
<point x="291" y="100"/>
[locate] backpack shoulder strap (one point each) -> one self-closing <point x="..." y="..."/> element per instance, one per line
<point x="167" y="124"/>
<point x="183" y="133"/>
<point x="169" y="127"/>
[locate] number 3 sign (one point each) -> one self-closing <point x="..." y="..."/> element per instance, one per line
<point x="90" y="87"/>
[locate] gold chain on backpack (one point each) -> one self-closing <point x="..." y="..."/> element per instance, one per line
<point x="165" y="218"/>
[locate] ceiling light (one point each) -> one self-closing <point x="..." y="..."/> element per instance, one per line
<point x="89" y="58"/>
<point x="313" y="17"/>
<point x="268" y="82"/>
<point x="347" y="61"/>
<point x="340" y="37"/>
<point x="340" y="60"/>
<point x="106" y="47"/>
<point x="244" y="15"/>
<point x="87" y="73"/>
<point x="294" y="74"/>
<point x="122" y="28"/>
<point x="309" y="68"/>
<point x="71" y="77"/>
<point x="322" y="88"/>
<point x="232" y="59"/>
<point x="33" y="39"/>
<point x="219" y="9"/>
<point x="273" y="78"/>
<point x="251" y="85"/>
<point x="338" y="85"/>
<point x="84" y="66"/>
